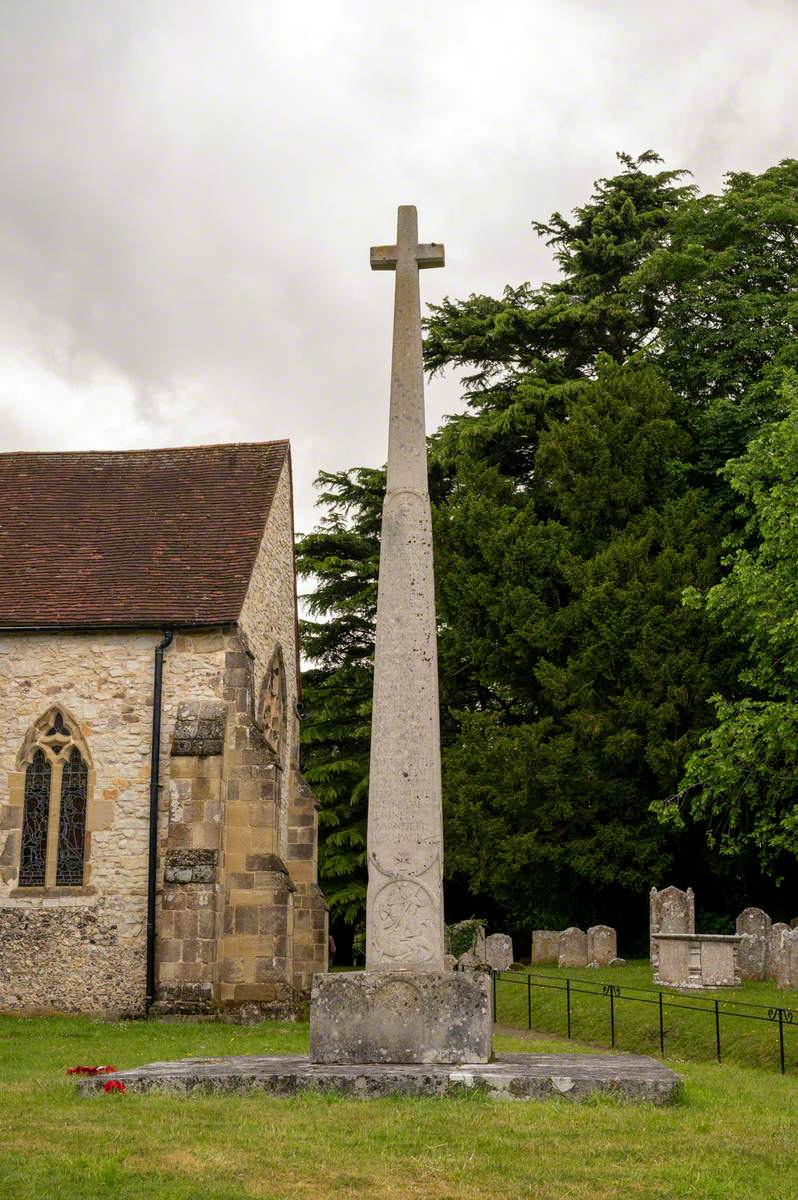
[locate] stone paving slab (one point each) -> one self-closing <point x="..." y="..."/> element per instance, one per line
<point x="510" y="1076"/>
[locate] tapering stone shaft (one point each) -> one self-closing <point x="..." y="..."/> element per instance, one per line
<point x="404" y="922"/>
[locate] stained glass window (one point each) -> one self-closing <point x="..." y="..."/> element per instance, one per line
<point x="72" y="821"/>
<point x="33" y="859"/>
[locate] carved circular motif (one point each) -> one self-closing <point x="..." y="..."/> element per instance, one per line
<point x="403" y="923"/>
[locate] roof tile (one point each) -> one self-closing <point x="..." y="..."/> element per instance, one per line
<point x="135" y="537"/>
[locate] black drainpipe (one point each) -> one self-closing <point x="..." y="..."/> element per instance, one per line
<point x="155" y="771"/>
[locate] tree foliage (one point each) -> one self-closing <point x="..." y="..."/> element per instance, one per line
<point x="743" y="779"/>
<point x="575" y="501"/>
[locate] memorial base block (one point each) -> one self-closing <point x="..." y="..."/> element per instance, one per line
<point x="400" y="1017"/>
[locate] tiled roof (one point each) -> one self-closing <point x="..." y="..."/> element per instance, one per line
<point x="139" y="537"/>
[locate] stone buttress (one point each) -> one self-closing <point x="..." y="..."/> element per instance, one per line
<point x="242" y="923"/>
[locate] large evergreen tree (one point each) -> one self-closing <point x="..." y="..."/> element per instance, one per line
<point x="574" y="502"/>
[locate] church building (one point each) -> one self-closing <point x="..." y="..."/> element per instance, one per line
<point x="158" y="843"/>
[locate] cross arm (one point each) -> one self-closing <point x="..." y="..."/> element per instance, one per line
<point x="428" y="254"/>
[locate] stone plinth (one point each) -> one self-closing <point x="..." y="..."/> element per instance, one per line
<point x="698" y="960"/>
<point x="401" y="1017"/>
<point x="575" y="1077"/>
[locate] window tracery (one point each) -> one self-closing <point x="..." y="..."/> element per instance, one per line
<point x="57" y="763"/>
<point x="272" y="706"/>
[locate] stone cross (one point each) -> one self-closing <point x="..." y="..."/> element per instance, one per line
<point x="404" y="907"/>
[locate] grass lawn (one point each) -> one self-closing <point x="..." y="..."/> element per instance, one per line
<point x="689" y="1034"/>
<point x="732" y="1137"/>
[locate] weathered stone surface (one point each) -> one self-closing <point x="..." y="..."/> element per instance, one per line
<point x="754" y="926"/>
<point x="697" y="960"/>
<point x="466" y="939"/>
<point x="574" y="1077"/>
<point x="190" y="866"/>
<point x="404" y="906"/>
<point x="199" y="728"/>
<point x="602" y="945"/>
<point x="499" y="951"/>
<point x="787" y="962"/>
<point x="400" y="1017"/>
<point x="777" y="931"/>
<point x="572" y="948"/>
<point x="670" y="911"/>
<point x="545" y="946"/>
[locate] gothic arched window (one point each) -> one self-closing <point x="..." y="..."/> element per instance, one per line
<point x="272" y="706"/>
<point x="56" y="794"/>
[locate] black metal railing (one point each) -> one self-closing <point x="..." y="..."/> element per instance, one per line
<point x="783" y="1018"/>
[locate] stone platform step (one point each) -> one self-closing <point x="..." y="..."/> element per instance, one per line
<point x="511" y="1076"/>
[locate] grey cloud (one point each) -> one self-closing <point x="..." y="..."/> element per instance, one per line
<point x="188" y="191"/>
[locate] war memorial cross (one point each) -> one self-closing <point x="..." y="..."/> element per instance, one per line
<point x="404" y="911"/>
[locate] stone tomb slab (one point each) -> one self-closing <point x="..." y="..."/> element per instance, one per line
<point x="400" y="1017"/>
<point x="573" y="1077"/>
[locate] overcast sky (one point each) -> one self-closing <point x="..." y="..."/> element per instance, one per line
<point x="189" y="190"/>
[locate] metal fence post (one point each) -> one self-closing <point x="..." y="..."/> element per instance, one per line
<point x="612" y="1017"/>
<point x="529" y="1001"/>
<point x="661" y="1027"/>
<point x="717" y="1029"/>
<point x="568" y="1003"/>
<point x="494" y="973"/>
<point x="781" y="1038"/>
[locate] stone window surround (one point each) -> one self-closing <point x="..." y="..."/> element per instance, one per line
<point x="37" y="739"/>
<point x="272" y="711"/>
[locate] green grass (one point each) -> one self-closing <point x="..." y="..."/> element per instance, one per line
<point x="733" y="1137"/>
<point x="689" y="1034"/>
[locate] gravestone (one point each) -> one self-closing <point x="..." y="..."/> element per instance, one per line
<point x="499" y="951"/>
<point x="472" y="954"/>
<point x="404" y="1007"/>
<point x="545" y="946"/>
<point x="670" y="911"/>
<point x="755" y="926"/>
<point x="787" y="961"/>
<point x="602" y="945"/>
<point x="777" y="931"/>
<point x="572" y="948"/>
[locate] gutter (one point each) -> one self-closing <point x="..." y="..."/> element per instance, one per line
<point x="155" y="771"/>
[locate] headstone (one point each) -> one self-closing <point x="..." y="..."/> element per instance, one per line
<point x="545" y="946"/>
<point x="787" y="963"/>
<point x="572" y="948"/>
<point x="777" y="932"/>
<point x="404" y="1007"/>
<point x="670" y="911"/>
<point x="602" y="945"/>
<point x="754" y="925"/>
<point x="499" y="951"/>
<point x="473" y="954"/>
